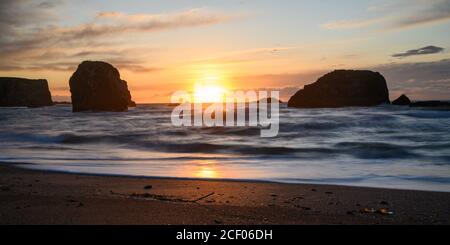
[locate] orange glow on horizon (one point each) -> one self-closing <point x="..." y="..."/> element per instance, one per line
<point x="210" y="86"/>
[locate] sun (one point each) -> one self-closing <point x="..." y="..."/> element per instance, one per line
<point x="209" y="93"/>
<point x="210" y="86"/>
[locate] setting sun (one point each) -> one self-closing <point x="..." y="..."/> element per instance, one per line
<point x="210" y="84"/>
<point x="209" y="93"/>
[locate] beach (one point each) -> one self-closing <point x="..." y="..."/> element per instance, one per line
<point x="43" y="197"/>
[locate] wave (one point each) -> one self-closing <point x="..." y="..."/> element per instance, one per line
<point x="368" y="178"/>
<point x="355" y="142"/>
<point x="375" y="150"/>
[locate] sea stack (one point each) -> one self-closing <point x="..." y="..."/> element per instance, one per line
<point x="402" y="100"/>
<point x="97" y="86"/>
<point x="24" y="92"/>
<point x="343" y="88"/>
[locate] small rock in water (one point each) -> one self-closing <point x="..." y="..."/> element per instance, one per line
<point x="402" y="100"/>
<point x="313" y="190"/>
<point x="148" y="187"/>
<point x="329" y="193"/>
<point x="384" y="203"/>
<point x="217" y="221"/>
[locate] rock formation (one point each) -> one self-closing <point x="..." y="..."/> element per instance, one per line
<point x="97" y="86"/>
<point x="342" y="88"/>
<point x="405" y="101"/>
<point x="24" y="92"/>
<point x="402" y="100"/>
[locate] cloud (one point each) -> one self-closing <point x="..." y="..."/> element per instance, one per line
<point x="419" y="80"/>
<point x="247" y="55"/>
<point x="351" y="24"/>
<point x="401" y="15"/>
<point x="70" y="66"/>
<point x="421" y="51"/>
<point x="32" y="35"/>
<point x="120" y="23"/>
<point x="18" y="14"/>
<point x="434" y="11"/>
<point x="116" y="24"/>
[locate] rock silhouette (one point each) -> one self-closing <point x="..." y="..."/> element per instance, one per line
<point x="97" y="86"/>
<point x="24" y="92"/>
<point x="402" y="100"/>
<point x="342" y="88"/>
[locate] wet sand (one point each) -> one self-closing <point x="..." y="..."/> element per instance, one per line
<point x="39" y="197"/>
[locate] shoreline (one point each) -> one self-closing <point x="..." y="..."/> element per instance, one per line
<point x="48" y="197"/>
<point x="209" y="179"/>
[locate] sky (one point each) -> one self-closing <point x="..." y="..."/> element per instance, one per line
<point x="163" y="46"/>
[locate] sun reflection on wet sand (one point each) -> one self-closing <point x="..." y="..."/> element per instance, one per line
<point x="207" y="169"/>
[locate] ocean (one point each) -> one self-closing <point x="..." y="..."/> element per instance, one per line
<point x="384" y="146"/>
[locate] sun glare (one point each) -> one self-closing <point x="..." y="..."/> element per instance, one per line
<point x="210" y="86"/>
<point x="209" y="93"/>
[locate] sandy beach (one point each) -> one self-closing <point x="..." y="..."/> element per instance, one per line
<point x="39" y="197"/>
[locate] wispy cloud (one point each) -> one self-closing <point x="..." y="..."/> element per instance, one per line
<point x="31" y="29"/>
<point x="401" y="15"/>
<point x="421" y="51"/>
<point x="123" y="23"/>
<point x="420" y="81"/>
<point x="352" y="24"/>
<point x="247" y="55"/>
<point x="119" y="23"/>
<point x="18" y="14"/>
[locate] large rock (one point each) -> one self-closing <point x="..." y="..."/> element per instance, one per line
<point x="343" y="88"/>
<point x="402" y="100"/>
<point x="24" y="92"/>
<point x="96" y="86"/>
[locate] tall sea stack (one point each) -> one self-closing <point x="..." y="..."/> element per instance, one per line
<point x="97" y="86"/>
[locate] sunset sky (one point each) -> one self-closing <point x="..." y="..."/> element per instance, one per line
<point x="163" y="46"/>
